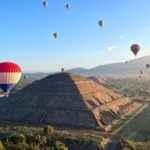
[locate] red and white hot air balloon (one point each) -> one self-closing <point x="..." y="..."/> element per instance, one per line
<point x="10" y="74"/>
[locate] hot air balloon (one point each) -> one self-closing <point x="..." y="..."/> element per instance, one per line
<point x="45" y="3"/>
<point x="141" y="72"/>
<point x="62" y="69"/>
<point x="67" y="6"/>
<point x="101" y="23"/>
<point x="10" y="74"/>
<point x="55" y="35"/>
<point x="147" y="66"/>
<point x="135" y="48"/>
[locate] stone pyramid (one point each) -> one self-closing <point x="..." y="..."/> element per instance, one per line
<point x="65" y="100"/>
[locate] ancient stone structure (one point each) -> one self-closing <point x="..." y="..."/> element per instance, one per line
<point x="66" y="100"/>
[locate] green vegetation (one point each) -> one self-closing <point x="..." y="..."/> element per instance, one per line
<point x="138" y="125"/>
<point x="130" y="87"/>
<point x="48" y="130"/>
<point x="140" y="145"/>
<point x="30" y="140"/>
<point x="140" y="136"/>
<point x="46" y="138"/>
<point x="137" y="131"/>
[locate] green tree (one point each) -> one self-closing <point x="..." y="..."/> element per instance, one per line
<point x="17" y="138"/>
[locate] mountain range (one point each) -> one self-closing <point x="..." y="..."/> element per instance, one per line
<point x="131" y="68"/>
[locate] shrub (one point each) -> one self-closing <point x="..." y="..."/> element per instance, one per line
<point x="17" y="138"/>
<point x="33" y="148"/>
<point x="2" y="146"/>
<point x="56" y="145"/>
<point x="31" y="140"/>
<point x="19" y="146"/>
<point x="60" y="146"/>
<point x="48" y="130"/>
<point x="23" y="130"/>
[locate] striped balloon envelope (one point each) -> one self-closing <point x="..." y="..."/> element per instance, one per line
<point x="10" y="74"/>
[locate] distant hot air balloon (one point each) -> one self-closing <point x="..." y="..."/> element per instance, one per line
<point x="62" y="69"/>
<point x="67" y="6"/>
<point x="135" y="48"/>
<point x="45" y="3"/>
<point x="101" y="23"/>
<point x="147" y="66"/>
<point x="55" y="35"/>
<point x="141" y="72"/>
<point x="10" y="74"/>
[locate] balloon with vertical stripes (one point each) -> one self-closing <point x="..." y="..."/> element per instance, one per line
<point x="10" y="74"/>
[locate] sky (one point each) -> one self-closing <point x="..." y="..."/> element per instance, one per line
<point x="26" y="29"/>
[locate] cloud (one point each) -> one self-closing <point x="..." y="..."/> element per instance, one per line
<point x="111" y="48"/>
<point x="122" y="36"/>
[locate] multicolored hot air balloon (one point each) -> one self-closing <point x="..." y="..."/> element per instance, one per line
<point x="10" y="74"/>
<point x="135" y="48"/>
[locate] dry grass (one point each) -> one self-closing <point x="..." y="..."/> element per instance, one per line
<point x="138" y="126"/>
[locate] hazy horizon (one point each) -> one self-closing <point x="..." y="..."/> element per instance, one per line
<point x="79" y="67"/>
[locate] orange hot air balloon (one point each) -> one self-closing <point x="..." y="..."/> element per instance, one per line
<point x="135" y="48"/>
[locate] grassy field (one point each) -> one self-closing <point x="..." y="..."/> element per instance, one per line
<point x="129" y="87"/>
<point x="139" y="128"/>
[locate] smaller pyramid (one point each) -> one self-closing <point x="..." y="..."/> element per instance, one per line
<point x="66" y="100"/>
